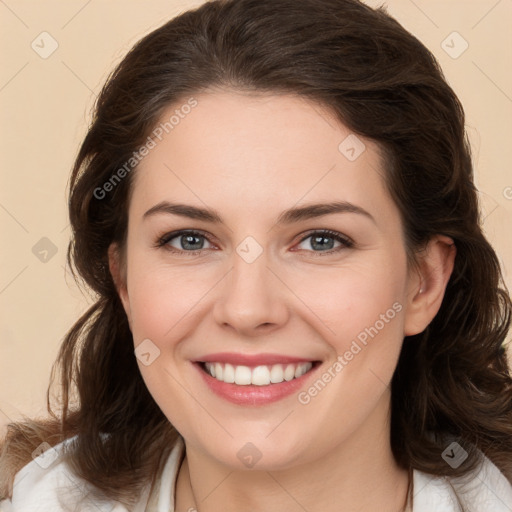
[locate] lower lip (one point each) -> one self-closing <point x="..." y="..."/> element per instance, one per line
<point x="251" y="394"/>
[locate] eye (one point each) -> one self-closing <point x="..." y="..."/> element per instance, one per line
<point x="323" y="241"/>
<point x="193" y="242"/>
<point x="189" y="241"/>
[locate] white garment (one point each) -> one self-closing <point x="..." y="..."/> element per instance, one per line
<point x="47" y="485"/>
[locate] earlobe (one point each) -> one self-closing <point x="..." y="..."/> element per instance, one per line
<point x="427" y="288"/>
<point x="118" y="276"/>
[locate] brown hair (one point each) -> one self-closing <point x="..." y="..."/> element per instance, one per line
<point x="452" y="380"/>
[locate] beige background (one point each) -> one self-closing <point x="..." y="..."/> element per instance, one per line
<point x="45" y="105"/>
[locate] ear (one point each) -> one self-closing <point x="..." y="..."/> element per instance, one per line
<point x="118" y="272"/>
<point x="427" y="283"/>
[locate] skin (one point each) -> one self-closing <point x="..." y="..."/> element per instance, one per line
<point x="250" y="157"/>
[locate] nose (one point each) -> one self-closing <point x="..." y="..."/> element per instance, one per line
<point x="252" y="298"/>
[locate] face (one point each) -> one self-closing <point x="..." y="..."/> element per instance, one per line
<point x="236" y="267"/>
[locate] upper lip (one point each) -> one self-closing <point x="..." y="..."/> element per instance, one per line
<point x="251" y="359"/>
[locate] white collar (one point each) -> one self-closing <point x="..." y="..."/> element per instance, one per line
<point x="48" y="480"/>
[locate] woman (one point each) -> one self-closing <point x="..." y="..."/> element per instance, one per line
<point x="297" y="308"/>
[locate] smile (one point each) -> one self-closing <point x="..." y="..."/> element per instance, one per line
<point x="256" y="379"/>
<point x="263" y="375"/>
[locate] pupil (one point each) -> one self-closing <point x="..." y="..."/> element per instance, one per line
<point x="322" y="241"/>
<point x="188" y="241"/>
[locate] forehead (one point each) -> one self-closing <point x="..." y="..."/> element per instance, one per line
<point x="239" y="149"/>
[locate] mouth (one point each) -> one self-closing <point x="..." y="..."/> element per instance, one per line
<point x="254" y="380"/>
<point x="261" y="375"/>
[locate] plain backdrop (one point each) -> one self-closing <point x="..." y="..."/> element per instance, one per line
<point x="46" y="99"/>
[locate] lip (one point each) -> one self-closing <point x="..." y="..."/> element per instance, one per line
<point x="252" y="395"/>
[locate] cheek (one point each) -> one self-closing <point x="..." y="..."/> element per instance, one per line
<point x="163" y="298"/>
<point x="363" y="308"/>
<point x="344" y="302"/>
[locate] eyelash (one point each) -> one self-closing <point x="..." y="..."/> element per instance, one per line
<point x="165" y="239"/>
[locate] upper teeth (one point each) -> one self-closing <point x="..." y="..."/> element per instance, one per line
<point x="259" y="376"/>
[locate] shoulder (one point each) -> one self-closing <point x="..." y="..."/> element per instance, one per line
<point x="484" y="490"/>
<point x="47" y="483"/>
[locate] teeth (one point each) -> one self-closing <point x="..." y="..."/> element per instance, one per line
<point x="242" y="375"/>
<point x="228" y="374"/>
<point x="276" y="374"/>
<point x="299" y="371"/>
<point x="258" y="376"/>
<point x="289" y="372"/>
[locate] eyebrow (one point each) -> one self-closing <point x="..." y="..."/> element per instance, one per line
<point x="289" y="216"/>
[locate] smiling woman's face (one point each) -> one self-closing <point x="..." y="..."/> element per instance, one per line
<point x="258" y="287"/>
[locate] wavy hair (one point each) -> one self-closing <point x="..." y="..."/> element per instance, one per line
<point x="451" y="380"/>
